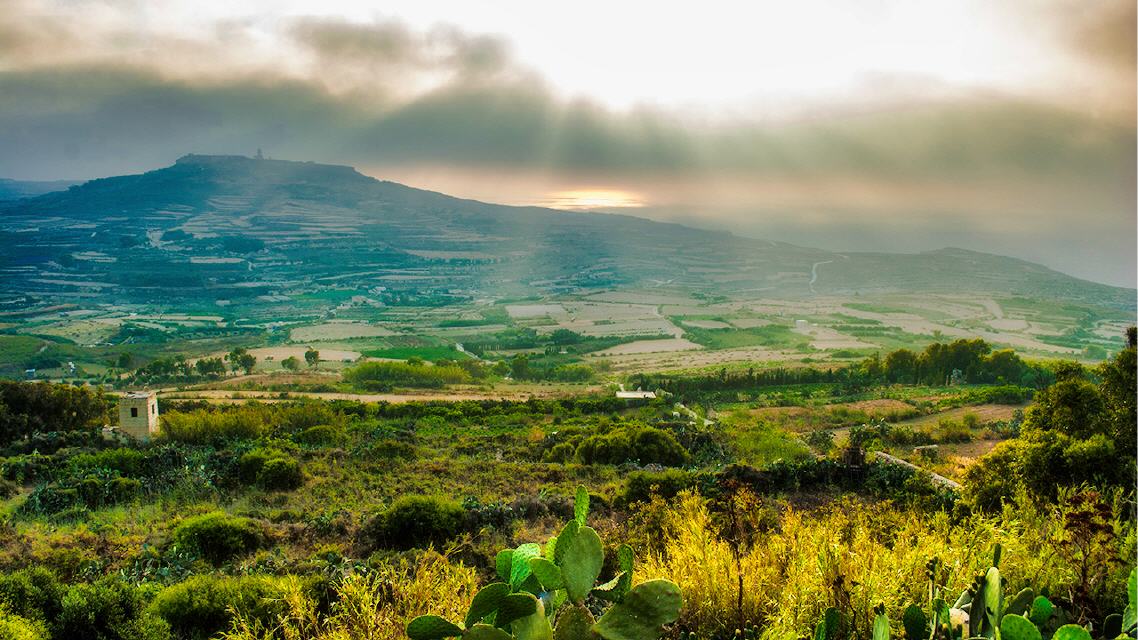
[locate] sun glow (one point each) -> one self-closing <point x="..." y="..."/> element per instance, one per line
<point x="592" y="199"/>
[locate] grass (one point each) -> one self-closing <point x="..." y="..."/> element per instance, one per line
<point x="759" y="442"/>
<point x="431" y="353"/>
<point x="873" y="308"/>
<point x="851" y="552"/>
<point x="773" y="336"/>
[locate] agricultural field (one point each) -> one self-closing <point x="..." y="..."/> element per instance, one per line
<point x="645" y="330"/>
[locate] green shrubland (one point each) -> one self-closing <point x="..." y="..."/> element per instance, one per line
<point x="341" y="519"/>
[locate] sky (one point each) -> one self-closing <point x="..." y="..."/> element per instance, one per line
<point x="868" y="125"/>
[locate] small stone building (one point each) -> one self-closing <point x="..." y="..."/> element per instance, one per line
<point x="138" y="414"/>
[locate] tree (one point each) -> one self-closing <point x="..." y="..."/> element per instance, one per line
<point x="519" y="367"/>
<point x="291" y="363"/>
<point x="125" y="360"/>
<point x="240" y="358"/>
<point x="563" y="337"/>
<point x="210" y="367"/>
<point x="247" y="361"/>
<point x="1076" y="432"/>
<point x="1119" y="387"/>
<point x="312" y="357"/>
<point x="901" y="366"/>
<point x="1072" y="406"/>
<point x="1003" y="367"/>
<point x="27" y="408"/>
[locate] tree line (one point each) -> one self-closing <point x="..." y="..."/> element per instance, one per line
<point x="960" y="362"/>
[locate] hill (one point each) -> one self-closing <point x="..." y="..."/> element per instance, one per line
<point x="250" y="236"/>
<point x="16" y="189"/>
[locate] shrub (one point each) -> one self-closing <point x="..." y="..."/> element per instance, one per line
<point x="91" y="492"/>
<point x="252" y="462"/>
<point x="124" y="489"/>
<point x="320" y="435"/>
<point x="201" y="606"/>
<point x="27" y="468"/>
<point x="646" y="445"/>
<point x="33" y="593"/>
<point x="280" y="474"/>
<point x="218" y="537"/>
<point x="640" y="486"/>
<point x="416" y="521"/>
<point x="213" y="427"/>
<point x="108" y="610"/>
<point x="270" y="469"/>
<point x="381" y="376"/>
<point x="651" y="445"/>
<point x="821" y="440"/>
<point x="563" y="452"/>
<point x="13" y="627"/>
<point x="393" y="450"/>
<point x="128" y="462"/>
<point x="951" y="431"/>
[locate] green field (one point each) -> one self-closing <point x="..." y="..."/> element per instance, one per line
<point x="773" y="336"/>
<point x="426" y="353"/>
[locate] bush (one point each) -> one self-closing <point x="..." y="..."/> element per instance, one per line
<point x="128" y="462"/>
<point x="218" y="537"/>
<point x="270" y="469"/>
<point x="563" y="452"/>
<point x="416" y="521"/>
<point x="13" y="627"/>
<point x="90" y="492"/>
<point x="821" y="440"/>
<point x="645" y="445"/>
<point x="382" y="376"/>
<point x="213" y="427"/>
<point x="640" y="486"/>
<point x="33" y="593"/>
<point x="950" y="431"/>
<point x="201" y="606"/>
<point x="108" y="610"/>
<point x="7" y="489"/>
<point x="320" y="435"/>
<point x="280" y="474"/>
<point x="392" y="450"/>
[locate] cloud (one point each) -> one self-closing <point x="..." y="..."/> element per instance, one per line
<point x="1104" y="31"/>
<point x="384" y="96"/>
<point x="393" y="44"/>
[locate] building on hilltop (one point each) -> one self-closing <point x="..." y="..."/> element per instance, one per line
<point x="138" y="414"/>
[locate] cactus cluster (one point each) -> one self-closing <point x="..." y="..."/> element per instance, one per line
<point x="543" y="589"/>
<point x="982" y="611"/>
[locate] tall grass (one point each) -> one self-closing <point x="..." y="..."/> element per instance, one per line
<point x="371" y="606"/>
<point x="853" y="556"/>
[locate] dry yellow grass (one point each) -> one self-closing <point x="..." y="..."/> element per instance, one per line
<point x="373" y="606"/>
<point x="861" y="554"/>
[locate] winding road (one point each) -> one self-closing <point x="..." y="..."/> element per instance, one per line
<point x="814" y="273"/>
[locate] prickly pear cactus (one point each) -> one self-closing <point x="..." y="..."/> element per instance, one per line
<point x="542" y="592"/>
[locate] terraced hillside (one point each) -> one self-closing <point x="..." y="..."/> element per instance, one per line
<point x="256" y="239"/>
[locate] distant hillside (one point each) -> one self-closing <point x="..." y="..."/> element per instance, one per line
<point x="257" y="235"/>
<point x="16" y="189"/>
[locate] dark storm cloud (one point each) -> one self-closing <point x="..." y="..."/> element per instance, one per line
<point x="389" y="45"/>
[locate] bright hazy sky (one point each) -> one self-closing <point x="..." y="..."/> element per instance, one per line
<point x="857" y="125"/>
